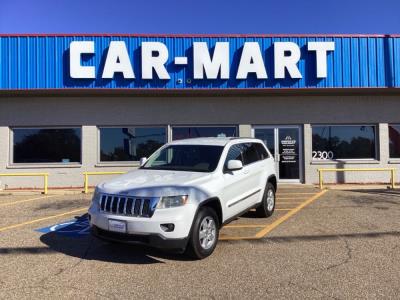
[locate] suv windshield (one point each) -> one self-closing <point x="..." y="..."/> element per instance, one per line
<point x="194" y="158"/>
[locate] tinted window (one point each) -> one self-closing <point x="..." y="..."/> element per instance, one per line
<point x="394" y="141"/>
<point x="250" y="153"/>
<point x="179" y="133"/>
<point x="34" y="145"/>
<point x="234" y="153"/>
<point x="130" y="143"/>
<point x="263" y="154"/>
<point x="195" y="158"/>
<point x="343" y="142"/>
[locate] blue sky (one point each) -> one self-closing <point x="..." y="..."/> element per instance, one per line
<point x="202" y="16"/>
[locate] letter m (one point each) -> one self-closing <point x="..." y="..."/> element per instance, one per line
<point x="211" y="67"/>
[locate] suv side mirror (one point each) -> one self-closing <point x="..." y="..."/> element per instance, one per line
<point x="234" y="165"/>
<point x="143" y="161"/>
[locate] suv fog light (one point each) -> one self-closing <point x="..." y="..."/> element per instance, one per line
<point x="167" y="227"/>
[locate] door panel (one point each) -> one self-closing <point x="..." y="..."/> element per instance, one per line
<point x="241" y="187"/>
<point x="285" y="146"/>
<point x="289" y="153"/>
<point x="256" y="168"/>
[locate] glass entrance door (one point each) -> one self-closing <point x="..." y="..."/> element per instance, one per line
<point x="284" y="143"/>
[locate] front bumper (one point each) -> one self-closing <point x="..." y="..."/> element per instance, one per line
<point x="146" y="230"/>
<point x="153" y="240"/>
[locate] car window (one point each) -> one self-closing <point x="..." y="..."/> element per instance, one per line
<point x="250" y="154"/>
<point x="193" y="158"/>
<point x="261" y="151"/>
<point x="235" y="152"/>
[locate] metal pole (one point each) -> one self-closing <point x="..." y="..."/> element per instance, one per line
<point x="393" y="177"/>
<point x="320" y="179"/>
<point x="46" y="182"/>
<point x="86" y="183"/>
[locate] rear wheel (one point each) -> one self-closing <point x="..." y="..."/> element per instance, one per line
<point x="205" y="233"/>
<point x="267" y="206"/>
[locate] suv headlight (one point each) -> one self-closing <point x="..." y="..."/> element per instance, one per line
<point x="172" y="201"/>
<point x="96" y="196"/>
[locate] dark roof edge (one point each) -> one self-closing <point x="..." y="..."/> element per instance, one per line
<point x="200" y="92"/>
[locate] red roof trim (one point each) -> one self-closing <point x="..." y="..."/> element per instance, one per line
<point x="197" y="35"/>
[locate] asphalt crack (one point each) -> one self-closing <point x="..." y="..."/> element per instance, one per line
<point x="348" y="258"/>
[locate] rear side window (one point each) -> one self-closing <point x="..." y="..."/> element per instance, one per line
<point x="250" y="153"/>
<point x="261" y="151"/>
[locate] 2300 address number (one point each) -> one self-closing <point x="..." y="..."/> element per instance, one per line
<point x="322" y="155"/>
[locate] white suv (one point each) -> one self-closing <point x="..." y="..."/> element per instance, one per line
<point x="185" y="192"/>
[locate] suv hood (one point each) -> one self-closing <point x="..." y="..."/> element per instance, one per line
<point x="154" y="183"/>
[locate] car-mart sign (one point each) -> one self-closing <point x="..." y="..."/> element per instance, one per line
<point x="198" y="62"/>
<point x="206" y="64"/>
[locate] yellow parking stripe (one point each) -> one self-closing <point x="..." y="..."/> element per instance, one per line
<point x="287" y="202"/>
<point x="293" y="198"/>
<point x="26" y="200"/>
<point x="42" y="219"/>
<point x="236" y="238"/>
<point x="295" y="193"/>
<point x="271" y="226"/>
<point x="243" y="226"/>
<point x="284" y="208"/>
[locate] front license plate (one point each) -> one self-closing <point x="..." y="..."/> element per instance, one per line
<point x="117" y="226"/>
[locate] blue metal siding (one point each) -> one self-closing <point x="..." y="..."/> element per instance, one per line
<point x="42" y="62"/>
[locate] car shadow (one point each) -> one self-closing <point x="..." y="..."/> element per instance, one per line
<point x="251" y="214"/>
<point x="387" y="192"/>
<point x="88" y="247"/>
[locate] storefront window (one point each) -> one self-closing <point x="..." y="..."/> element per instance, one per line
<point x="130" y="143"/>
<point x="394" y="141"/>
<point x="179" y="133"/>
<point x="42" y="145"/>
<point x="343" y="142"/>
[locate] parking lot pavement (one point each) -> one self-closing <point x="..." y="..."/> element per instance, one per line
<point x="340" y="244"/>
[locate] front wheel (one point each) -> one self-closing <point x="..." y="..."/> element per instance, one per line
<point x="267" y="206"/>
<point x="205" y="233"/>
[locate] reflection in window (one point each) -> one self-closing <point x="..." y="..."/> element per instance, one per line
<point x="234" y="153"/>
<point x="130" y="143"/>
<point x="35" y="145"/>
<point x="343" y="142"/>
<point x="193" y="158"/>
<point x="394" y="141"/>
<point x="179" y="133"/>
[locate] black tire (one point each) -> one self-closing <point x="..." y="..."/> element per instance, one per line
<point x="194" y="248"/>
<point x="263" y="211"/>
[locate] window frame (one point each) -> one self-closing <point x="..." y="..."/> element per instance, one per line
<point x="202" y="126"/>
<point x="12" y="164"/>
<point x="354" y="160"/>
<point x="391" y="159"/>
<point x="135" y="163"/>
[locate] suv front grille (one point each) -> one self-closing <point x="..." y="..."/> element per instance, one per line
<point x="128" y="206"/>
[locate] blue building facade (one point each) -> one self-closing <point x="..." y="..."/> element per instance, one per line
<point x="43" y="62"/>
